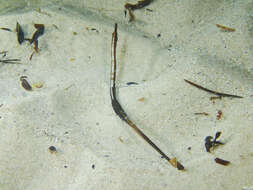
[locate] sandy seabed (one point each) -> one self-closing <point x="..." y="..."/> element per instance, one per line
<point x="169" y="42"/>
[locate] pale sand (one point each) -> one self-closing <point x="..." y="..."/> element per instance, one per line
<point x="73" y="112"/>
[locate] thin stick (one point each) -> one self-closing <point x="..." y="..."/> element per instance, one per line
<point x="211" y="91"/>
<point x="119" y="110"/>
<point x="10" y="61"/>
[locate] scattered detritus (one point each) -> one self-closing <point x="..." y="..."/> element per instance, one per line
<point x="211" y="91"/>
<point x="225" y="28"/>
<point x="25" y="84"/>
<point x="21" y="38"/>
<point x="20" y="33"/>
<point x="132" y="7"/>
<point x="119" y="110"/>
<point x="221" y="161"/>
<point x="212" y="144"/>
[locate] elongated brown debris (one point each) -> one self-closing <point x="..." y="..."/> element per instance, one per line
<point x="6" y="29"/>
<point x="211" y="91"/>
<point x="40" y="31"/>
<point x="202" y="113"/>
<point x="138" y="5"/>
<point x="221" y="161"/>
<point x="20" y="33"/>
<point x="225" y="28"/>
<point x="119" y="110"/>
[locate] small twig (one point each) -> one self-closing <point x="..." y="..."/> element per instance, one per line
<point x="10" y="61"/>
<point x="211" y="91"/>
<point x="122" y="114"/>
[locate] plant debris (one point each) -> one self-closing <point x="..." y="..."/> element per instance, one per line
<point x="119" y="110"/>
<point x="211" y="91"/>
<point x="202" y="113"/>
<point x="20" y="33"/>
<point x="6" y="29"/>
<point x="225" y="28"/>
<point x="40" y="31"/>
<point x="10" y="61"/>
<point x="221" y="161"/>
<point x="212" y="144"/>
<point x="25" y="84"/>
<point x="132" y="7"/>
